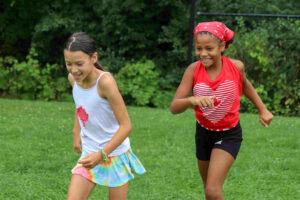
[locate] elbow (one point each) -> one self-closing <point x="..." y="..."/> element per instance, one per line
<point x="173" y="110"/>
<point x="128" y="128"/>
<point x="179" y="105"/>
<point x="125" y="128"/>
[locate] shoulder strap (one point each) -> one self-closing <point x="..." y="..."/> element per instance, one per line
<point x="101" y="76"/>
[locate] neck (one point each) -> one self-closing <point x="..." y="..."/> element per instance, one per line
<point x="91" y="78"/>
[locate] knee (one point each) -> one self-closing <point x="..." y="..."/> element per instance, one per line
<point x="213" y="192"/>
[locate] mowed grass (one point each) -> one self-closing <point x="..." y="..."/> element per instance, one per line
<point x="36" y="155"/>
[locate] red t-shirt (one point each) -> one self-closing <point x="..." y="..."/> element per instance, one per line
<point x="227" y="89"/>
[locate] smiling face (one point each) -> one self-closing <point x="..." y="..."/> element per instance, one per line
<point x="79" y="64"/>
<point x="208" y="50"/>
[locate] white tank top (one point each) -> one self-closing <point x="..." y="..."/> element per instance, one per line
<point x="97" y="120"/>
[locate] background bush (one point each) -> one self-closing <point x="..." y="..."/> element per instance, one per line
<point x="30" y="80"/>
<point x="138" y="82"/>
<point x="131" y="30"/>
<point x="271" y="57"/>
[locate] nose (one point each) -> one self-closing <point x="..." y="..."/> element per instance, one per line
<point x="72" y="69"/>
<point x="203" y="53"/>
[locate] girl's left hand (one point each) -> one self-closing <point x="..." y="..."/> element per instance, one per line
<point x="91" y="160"/>
<point x="265" y="117"/>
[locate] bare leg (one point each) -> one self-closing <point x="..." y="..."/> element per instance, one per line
<point x="118" y="193"/>
<point x="203" y="169"/>
<point x="80" y="188"/>
<point x="219" y="166"/>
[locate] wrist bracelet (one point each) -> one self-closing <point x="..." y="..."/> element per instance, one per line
<point x="104" y="156"/>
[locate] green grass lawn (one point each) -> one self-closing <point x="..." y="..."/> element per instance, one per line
<point x="37" y="155"/>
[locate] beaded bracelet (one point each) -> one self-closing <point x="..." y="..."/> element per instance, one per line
<point x="104" y="156"/>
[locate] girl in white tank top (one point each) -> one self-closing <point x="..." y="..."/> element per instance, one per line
<point x="102" y="124"/>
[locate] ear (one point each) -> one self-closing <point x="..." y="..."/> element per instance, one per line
<point x="222" y="46"/>
<point x="94" y="57"/>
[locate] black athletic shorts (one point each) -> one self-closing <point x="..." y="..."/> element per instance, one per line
<point x="229" y="140"/>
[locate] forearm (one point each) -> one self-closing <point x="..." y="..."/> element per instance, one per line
<point x="179" y="105"/>
<point x="76" y="128"/>
<point x="252" y="95"/>
<point x="76" y="136"/>
<point x="122" y="133"/>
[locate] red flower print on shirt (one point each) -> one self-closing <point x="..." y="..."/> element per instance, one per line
<point x="83" y="116"/>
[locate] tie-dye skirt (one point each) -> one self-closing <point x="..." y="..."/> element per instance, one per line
<point x="116" y="171"/>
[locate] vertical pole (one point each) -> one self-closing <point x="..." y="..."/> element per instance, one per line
<point x="191" y="32"/>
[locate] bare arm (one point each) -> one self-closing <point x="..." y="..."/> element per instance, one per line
<point x="181" y="101"/>
<point x="76" y="135"/>
<point x="110" y="91"/>
<point x="76" y="128"/>
<point x="265" y="116"/>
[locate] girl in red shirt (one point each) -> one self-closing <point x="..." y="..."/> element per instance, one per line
<point x="216" y="83"/>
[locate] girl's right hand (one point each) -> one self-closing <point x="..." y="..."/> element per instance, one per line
<point x="202" y="101"/>
<point x="91" y="160"/>
<point x="77" y="144"/>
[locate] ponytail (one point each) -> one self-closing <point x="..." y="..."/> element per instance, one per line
<point x="98" y="66"/>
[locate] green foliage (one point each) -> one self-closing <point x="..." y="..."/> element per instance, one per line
<point x="21" y="77"/>
<point x="28" y="80"/>
<point x="138" y="82"/>
<point x="126" y="31"/>
<point x="271" y="58"/>
<point x="53" y="88"/>
<point x="17" y="21"/>
<point x="163" y="99"/>
<point x="4" y="72"/>
<point x="129" y="30"/>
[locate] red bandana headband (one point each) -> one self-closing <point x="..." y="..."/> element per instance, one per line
<point x="217" y="28"/>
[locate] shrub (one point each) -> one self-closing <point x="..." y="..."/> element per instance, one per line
<point x="29" y="80"/>
<point x="21" y="78"/>
<point x="138" y="82"/>
<point x="271" y="59"/>
<point x="163" y="99"/>
<point x="52" y="87"/>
